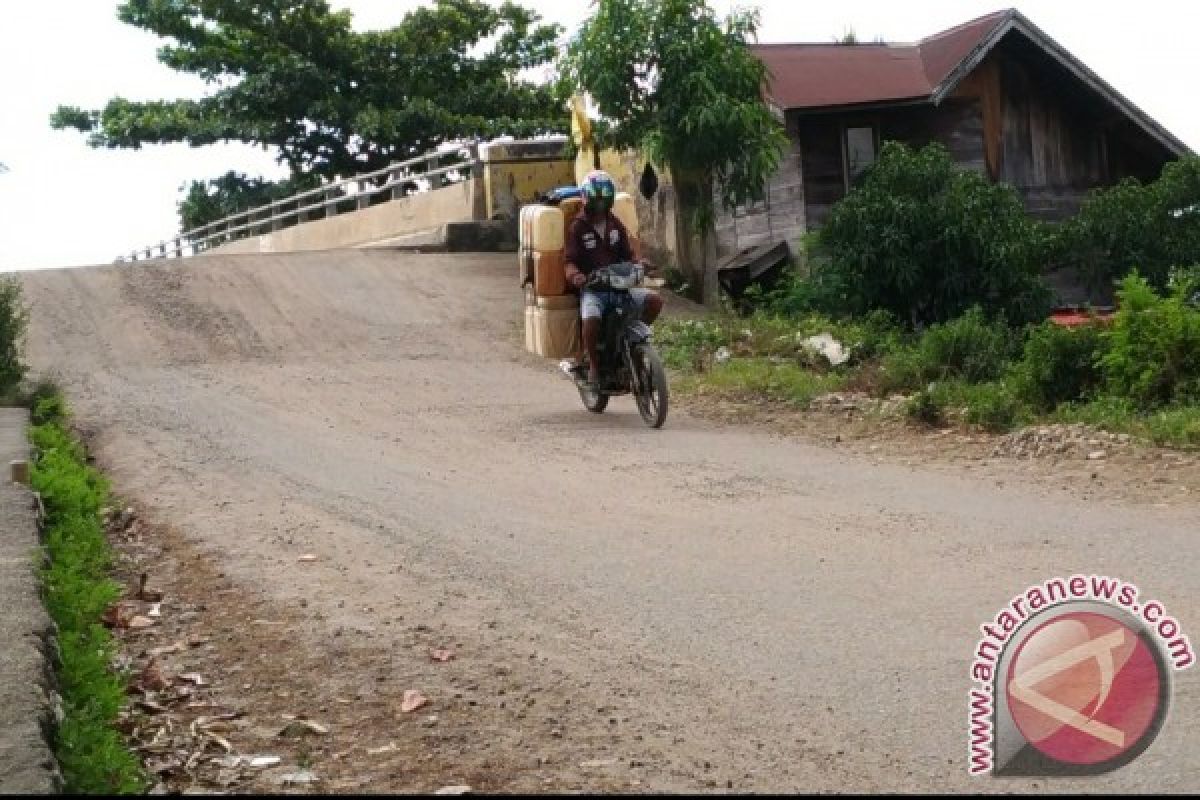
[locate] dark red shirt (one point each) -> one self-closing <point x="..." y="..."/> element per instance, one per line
<point x="587" y="250"/>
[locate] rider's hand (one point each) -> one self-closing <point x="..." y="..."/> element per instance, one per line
<point x="579" y="280"/>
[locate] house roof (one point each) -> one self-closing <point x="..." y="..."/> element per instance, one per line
<point x="820" y="75"/>
<point x="826" y="76"/>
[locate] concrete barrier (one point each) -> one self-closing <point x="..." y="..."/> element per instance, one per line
<point x="27" y="695"/>
<point x="413" y="214"/>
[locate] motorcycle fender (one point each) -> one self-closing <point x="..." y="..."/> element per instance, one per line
<point x="639" y="332"/>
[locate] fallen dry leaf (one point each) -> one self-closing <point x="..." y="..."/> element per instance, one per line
<point x="117" y="615"/>
<point x="412" y="701"/>
<point x="150" y="707"/>
<point x="152" y="678"/>
<point x="300" y="778"/>
<point x="222" y="743"/>
<point x="148" y="595"/>
<point x="194" y="678"/>
<point x="441" y="654"/>
<point x="155" y="652"/>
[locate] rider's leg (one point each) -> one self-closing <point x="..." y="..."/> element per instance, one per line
<point x="652" y="306"/>
<point x="591" y="338"/>
<point x="591" y="308"/>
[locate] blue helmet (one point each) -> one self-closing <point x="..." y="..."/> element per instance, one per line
<point x="599" y="192"/>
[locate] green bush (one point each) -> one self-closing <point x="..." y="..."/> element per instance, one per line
<point x="1149" y="227"/>
<point x="1059" y="365"/>
<point x="14" y="317"/>
<point x="927" y="407"/>
<point x="1186" y="280"/>
<point x="994" y="407"/>
<point x="926" y="241"/>
<point x="970" y="348"/>
<point x="1153" y="350"/>
<point x="1179" y="427"/>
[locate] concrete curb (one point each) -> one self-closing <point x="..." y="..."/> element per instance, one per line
<point x="28" y="699"/>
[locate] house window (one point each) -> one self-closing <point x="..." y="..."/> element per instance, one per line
<point x="860" y="152"/>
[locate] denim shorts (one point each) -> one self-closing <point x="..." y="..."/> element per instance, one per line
<point x="593" y="304"/>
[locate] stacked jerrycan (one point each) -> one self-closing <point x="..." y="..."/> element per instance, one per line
<point x="551" y="309"/>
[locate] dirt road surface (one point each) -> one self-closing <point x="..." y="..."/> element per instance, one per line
<point x="702" y="607"/>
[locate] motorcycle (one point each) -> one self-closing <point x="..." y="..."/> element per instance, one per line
<point x="629" y="364"/>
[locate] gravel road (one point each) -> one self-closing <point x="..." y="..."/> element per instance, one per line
<point x="756" y="612"/>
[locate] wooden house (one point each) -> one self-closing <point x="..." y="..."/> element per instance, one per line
<point x="1001" y="95"/>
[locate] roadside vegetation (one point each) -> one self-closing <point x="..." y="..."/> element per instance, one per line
<point x="77" y="591"/>
<point x="930" y="280"/>
<point x="75" y="579"/>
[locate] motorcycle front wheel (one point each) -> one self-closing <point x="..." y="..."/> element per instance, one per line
<point x="593" y="401"/>
<point x="651" y="389"/>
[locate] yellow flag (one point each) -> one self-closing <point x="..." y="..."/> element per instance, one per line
<point x="581" y="126"/>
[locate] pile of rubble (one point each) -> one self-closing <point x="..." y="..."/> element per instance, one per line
<point x="851" y="403"/>
<point x="1064" y="441"/>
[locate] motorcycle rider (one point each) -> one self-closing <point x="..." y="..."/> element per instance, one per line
<point x="595" y="239"/>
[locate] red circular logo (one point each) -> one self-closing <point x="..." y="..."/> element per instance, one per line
<point x="1084" y="688"/>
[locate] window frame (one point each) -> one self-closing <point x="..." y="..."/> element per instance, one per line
<point x="847" y="125"/>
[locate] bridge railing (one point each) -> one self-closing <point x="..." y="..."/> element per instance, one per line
<point x="394" y="181"/>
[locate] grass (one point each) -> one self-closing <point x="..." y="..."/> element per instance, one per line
<point x="783" y="382"/>
<point x="962" y="373"/>
<point x="1177" y="427"/>
<point x="77" y="590"/>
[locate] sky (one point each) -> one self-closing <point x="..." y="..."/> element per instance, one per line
<point x="63" y="203"/>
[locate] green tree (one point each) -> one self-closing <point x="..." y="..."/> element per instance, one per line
<point x="1152" y="228"/>
<point x="925" y="240"/>
<point x="14" y="318"/>
<point x="294" y="75"/>
<point x="671" y="78"/>
<point x="207" y="201"/>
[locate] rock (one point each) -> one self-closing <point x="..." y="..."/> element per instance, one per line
<point x="1097" y="455"/>
<point x="830" y="348"/>
<point x="460" y="789"/>
<point x="302" y="778"/>
<point x="722" y="355"/>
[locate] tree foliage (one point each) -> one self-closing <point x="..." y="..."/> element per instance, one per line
<point x="294" y="75"/>
<point x="926" y="241"/>
<point x="1153" y="349"/>
<point x="14" y="318"/>
<point x="1148" y="227"/>
<point x="233" y="192"/>
<point x="671" y="78"/>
